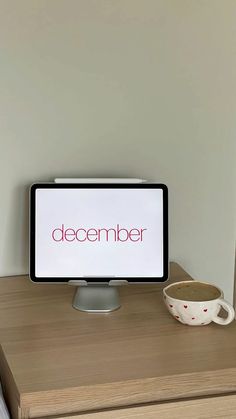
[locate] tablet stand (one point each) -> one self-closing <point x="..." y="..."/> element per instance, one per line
<point x="101" y="297"/>
<point x="95" y="298"/>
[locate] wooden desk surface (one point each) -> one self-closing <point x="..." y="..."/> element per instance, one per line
<point x="56" y="360"/>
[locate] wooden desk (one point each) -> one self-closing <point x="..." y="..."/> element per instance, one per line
<point x="135" y="362"/>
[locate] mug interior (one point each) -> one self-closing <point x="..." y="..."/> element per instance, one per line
<point x="193" y="291"/>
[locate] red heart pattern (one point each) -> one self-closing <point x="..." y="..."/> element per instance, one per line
<point x="185" y="306"/>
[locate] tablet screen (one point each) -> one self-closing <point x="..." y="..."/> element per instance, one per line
<point x="99" y="232"/>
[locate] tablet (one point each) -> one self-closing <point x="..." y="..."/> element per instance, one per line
<point x="98" y="232"/>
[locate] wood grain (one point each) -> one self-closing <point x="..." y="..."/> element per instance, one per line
<point x="208" y="408"/>
<point x="66" y="361"/>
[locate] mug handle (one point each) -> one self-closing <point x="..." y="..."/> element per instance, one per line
<point x="230" y="310"/>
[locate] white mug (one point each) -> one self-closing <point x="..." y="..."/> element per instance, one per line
<point x="198" y="313"/>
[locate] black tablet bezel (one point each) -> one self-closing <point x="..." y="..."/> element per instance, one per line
<point x="144" y="280"/>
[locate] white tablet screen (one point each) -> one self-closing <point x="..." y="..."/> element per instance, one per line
<point x="98" y="232"/>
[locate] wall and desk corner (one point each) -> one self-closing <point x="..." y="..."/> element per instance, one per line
<point x="109" y="89"/>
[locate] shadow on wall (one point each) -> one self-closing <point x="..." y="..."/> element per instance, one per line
<point x="17" y="227"/>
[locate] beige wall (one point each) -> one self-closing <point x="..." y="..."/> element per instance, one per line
<point x="141" y="88"/>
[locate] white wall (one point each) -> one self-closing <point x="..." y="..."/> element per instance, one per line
<point x="123" y="88"/>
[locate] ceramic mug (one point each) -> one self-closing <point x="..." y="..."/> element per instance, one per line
<point x="197" y="313"/>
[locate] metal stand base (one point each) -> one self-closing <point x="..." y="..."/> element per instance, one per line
<point x="96" y="299"/>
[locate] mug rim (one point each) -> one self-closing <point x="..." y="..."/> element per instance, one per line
<point x="191" y="281"/>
